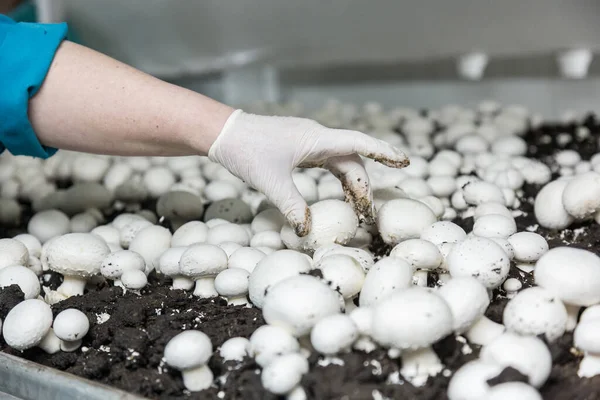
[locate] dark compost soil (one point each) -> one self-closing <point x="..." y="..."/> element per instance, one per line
<point x="126" y="350"/>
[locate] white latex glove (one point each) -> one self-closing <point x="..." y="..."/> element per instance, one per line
<point x="263" y="151"/>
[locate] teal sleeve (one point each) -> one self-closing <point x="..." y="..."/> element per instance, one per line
<point x="26" y="53"/>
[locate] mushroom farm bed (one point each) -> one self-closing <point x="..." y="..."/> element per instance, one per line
<point x="469" y="167"/>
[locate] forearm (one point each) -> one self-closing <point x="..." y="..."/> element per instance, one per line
<point x="90" y="102"/>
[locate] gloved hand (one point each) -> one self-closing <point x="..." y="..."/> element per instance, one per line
<point x="263" y="151"/>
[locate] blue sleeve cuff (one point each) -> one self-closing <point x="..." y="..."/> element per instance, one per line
<point x="27" y="51"/>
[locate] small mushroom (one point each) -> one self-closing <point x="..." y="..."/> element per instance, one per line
<point x="284" y="373"/>
<point x="150" y="243"/>
<point x="168" y="264"/>
<point x="232" y="283"/>
<point x="235" y="349"/>
<point x="202" y="263"/>
<point x="70" y="326"/>
<point x="403" y="219"/>
<point x="23" y="277"/>
<point x="387" y="276"/>
<point x="422" y="255"/>
<point x="179" y="207"/>
<point x="115" y="264"/>
<point x="267" y="342"/>
<point x="344" y="274"/>
<point x="190" y="233"/>
<point x="29" y="324"/>
<point x="334" y="334"/>
<point x="189" y="353"/>
<point x="470" y="382"/>
<point x="12" y="252"/>
<point x="228" y="232"/>
<point x="134" y="280"/>
<point x="245" y="258"/>
<point x="549" y="208"/>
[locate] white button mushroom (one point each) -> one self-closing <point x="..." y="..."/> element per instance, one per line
<point x="115" y="264"/>
<point x="168" y="264"/>
<point x="179" y="207"/>
<point x="364" y="258"/>
<point x="230" y="210"/>
<point x="109" y="233"/>
<point x="479" y="192"/>
<point x="430" y="320"/>
<point x="134" y="280"/>
<point x="78" y="257"/>
<point x="28" y="324"/>
<point x="491" y="208"/>
<point x="232" y="283"/>
<point x="158" y="180"/>
<point x="513" y="390"/>
<point x="269" y="239"/>
<point x="403" y="219"/>
<point x="527" y="354"/>
<point x="363" y="319"/>
<point x="228" y="232"/>
<point x="481" y="258"/>
<point x="245" y="258"/>
<point x="299" y="302"/>
<point x="202" y="263"/>
<point x="512" y="286"/>
<point x="284" y="373"/>
<point x="386" y="277"/>
<point x="130" y="230"/>
<point x="268" y="342"/>
<point x="274" y="268"/>
<point x="334" y="334"/>
<point x="443" y="232"/>
<point x="70" y="326"/>
<point x="268" y="220"/>
<point x="190" y="233"/>
<point x="562" y="270"/>
<point x="150" y="243"/>
<point x="585" y="338"/>
<point x="470" y="382"/>
<point x="189" y="353"/>
<point x="581" y="195"/>
<point x="528" y="246"/>
<point x="548" y="207"/>
<point x="494" y="226"/>
<point x="536" y="311"/>
<point x="235" y="349"/>
<point x="230" y="247"/>
<point x="344" y="274"/>
<point x="23" y="277"/>
<point x="13" y="252"/>
<point x="34" y="246"/>
<point x="422" y="255"/>
<point x="83" y="222"/>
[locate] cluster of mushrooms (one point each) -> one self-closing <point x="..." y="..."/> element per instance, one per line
<point x="464" y="162"/>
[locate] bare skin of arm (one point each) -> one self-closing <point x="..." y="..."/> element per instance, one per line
<point x="92" y="103"/>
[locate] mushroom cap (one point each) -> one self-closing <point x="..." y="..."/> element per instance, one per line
<point x="246" y="258"/>
<point x="419" y="253"/>
<point x="412" y="318"/>
<point x="469" y="382"/>
<point x="76" y="254"/>
<point x="71" y="325"/>
<point x="467" y="298"/>
<point x="364" y="258"/>
<point x="25" y="278"/>
<point x="284" y="373"/>
<point x="387" y="276"/>
<point x="562" y="270"/>
<point x="481" y="258"/>
<point x="179" y="205"/>
<point x="130" y="231"/>
<point x="125" y="219"/>
<point x="188" y="350"/>
<point x="585" y="336"/>
<point x="115" y="264"/>
<point x="505" y="245"/>
<point x="548" y="206"/>
<point x="235" y="349"/>
<point x="150" y="243"/>
<point x="202" y="260"/>
<point x="190" y="233"/>
<point x="581" y="196"/>
<point x="333" y="334"/>
<point x="332" y="221"/>
<point x="273" y="268"/>
<point x="403" y="219"/>
<point x="228" y="232"/>
<point x="134" y="279"/>
<point x="26" y="324"/>
<point x="528" y="246"/>
<point x="12" y="252"/>
<point x="343" y="273"/>
<point x="33" y="244"/>
<point x="527" y="354"/>
<point x="299" y="302"/>
<point x="536" y="311"/>
<point x="270" y="219"/>
<point x="443" y="232"/>
<point x="230" y="247"/>
<point x="232" y="282"/>
<point x="363" y="319"/>
<point x="168" y="263"/>
<point x="270" y="239"/>
<point x="232" y="210"/>
<point x="513" y="390"/>
<point x="109" y="233"/>
<point x="479" y="192"/>
<point x="491" y="209"/>
<point x="590" y="313"/>
<point x="267" y="342"/>
<point x="494" y="226"/>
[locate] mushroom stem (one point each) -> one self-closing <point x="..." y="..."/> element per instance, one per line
<point x="296" y="393"/>
<point x="50" y="343"/>
<point x="420" y="278"/>
<point x="205" y="287"/>
<point x="72" y="286"/>
<point x="237" y="301"/>
<point x="572" y="316"/>
<point x="419" y="365"/>
<point x="364" y="343"/>
<point x="181" y="282"/>
<point x="589" y="366"/>
<point x="484" y="331"/>
<point x="197" y="379"/>
<point x="69" y="346"/>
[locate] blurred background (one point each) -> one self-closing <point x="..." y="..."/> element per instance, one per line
<point x="419" y="53"/>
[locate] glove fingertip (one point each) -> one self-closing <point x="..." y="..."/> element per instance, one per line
<point x="301" y="221"/>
